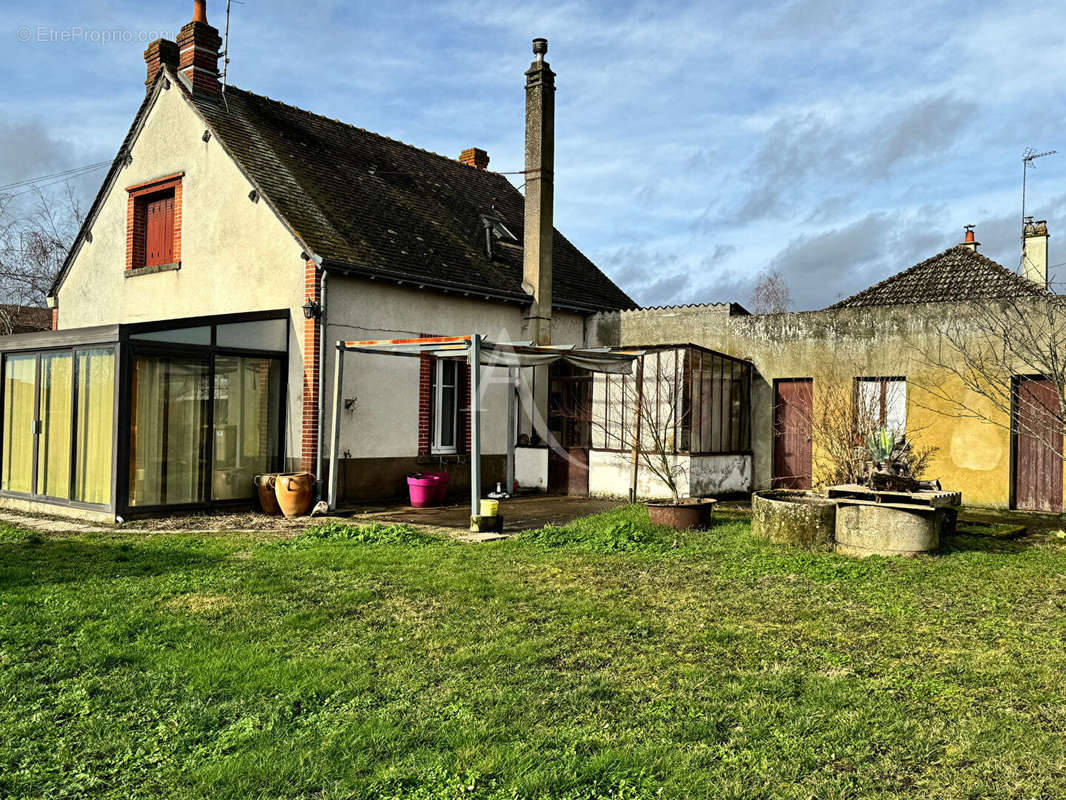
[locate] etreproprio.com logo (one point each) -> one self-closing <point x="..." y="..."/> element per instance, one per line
<point x="77" y="33"/>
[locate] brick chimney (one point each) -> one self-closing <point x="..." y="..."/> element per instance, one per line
<point x="970" y="241"/>
<point x="540" y="195"/>
<point x="199" y="43"/>
<point x="160" y="53"/>
<point x="1034" y="251"/>
<point x="475" y="157"/>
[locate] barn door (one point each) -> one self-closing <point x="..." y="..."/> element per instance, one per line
<point x="793" y="402"/>
<point x="1037" y="446"/>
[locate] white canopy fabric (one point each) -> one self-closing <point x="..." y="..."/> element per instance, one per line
<point x="478" y="352"/>
<point x="502" y="354"/>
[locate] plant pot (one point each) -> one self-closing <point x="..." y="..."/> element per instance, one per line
<point x="688" y="514"/>
<point x="440" y="491"/>
<point x="423" y="489"/>
<point x="294" y="493"/>
<point x="264" y="485"/>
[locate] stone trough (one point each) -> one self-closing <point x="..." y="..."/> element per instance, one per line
<point x="856" y="521"/>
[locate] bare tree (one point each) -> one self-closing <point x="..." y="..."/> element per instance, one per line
<point x="1001" y="362"/>
<point x="859" y="433"/>
<point x="771" y="294"/>
<point x="852" y="432"/>
<point x="34" y="239"/>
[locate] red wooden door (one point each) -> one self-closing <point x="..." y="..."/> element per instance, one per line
<point x="1037" y="446"/>
<point x="159" y="225"/>
<point x="793" y="402"/>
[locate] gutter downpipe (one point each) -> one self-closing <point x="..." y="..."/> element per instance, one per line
<point x="321" y="382"/>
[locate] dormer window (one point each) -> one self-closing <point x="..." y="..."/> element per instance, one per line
<point x="153" y="225"/>
<point x="496" y="232"/>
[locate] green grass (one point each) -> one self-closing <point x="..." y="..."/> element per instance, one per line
<point x="604" y="659"/>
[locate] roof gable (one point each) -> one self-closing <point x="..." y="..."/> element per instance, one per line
<point x="374" y="206"/>
<point x="959" y="273"/>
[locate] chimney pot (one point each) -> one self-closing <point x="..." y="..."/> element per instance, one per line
<point x="199" y="43"/>
<point x="475" y="157"/>
<point x="970" y="241"/>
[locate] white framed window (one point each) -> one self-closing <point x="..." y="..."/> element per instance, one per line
<point x="445" y="407"/>
<point x="885" y="401"/>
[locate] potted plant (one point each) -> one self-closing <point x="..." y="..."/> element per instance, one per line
<point x="658" y="415"/>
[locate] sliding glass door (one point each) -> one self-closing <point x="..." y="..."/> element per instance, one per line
<point x="247" y="406"/>
<point x="199" y="433"/>
<point x="54" y="413"/>
<point x="94" y="378"/>
<point x="168" y="443"/>
<point x="20" y="390"/>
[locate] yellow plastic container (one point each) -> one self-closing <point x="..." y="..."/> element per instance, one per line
<point x="490" y="508"/>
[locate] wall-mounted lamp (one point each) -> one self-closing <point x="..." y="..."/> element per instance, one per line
<point x="253" y="196"/>
<point x="312" y="310"/>
<point x="206" y="137"/>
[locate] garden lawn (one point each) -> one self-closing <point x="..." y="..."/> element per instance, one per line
<point x="605" y="659"/>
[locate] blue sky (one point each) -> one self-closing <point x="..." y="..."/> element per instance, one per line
<point x="698" y="144"/>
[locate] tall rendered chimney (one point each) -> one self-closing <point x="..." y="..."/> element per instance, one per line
<point x="1034" y="251"/>
<point x="540" y="194"/>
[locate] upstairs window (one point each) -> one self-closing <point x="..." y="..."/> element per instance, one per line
<point x="158" y="210"/>
<point x="153" y="235"/>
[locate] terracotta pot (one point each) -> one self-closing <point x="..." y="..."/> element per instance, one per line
<point x="264" y="485"/>
<point x="683" y="515"/>
<point x="294" y="493"/>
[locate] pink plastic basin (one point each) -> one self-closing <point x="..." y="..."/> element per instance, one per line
<point x="423" y="490"/>
<point x="440" y="491"/>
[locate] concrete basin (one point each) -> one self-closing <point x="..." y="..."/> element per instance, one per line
<point x="794" y="518"/>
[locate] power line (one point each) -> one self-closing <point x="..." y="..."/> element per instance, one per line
<point x="56" y="177"/>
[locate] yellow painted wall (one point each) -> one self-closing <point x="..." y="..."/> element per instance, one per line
<point x="973" y="456"/>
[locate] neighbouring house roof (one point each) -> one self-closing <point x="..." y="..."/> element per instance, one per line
<point x="375" y="206"/>
<point x="25" y="319"/>
<point x="957" y="274"/>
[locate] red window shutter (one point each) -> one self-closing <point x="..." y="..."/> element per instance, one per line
<point x="159" y="233"/>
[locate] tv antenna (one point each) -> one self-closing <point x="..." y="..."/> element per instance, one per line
<point x="225" y="46"/>
<point x="1028" y="157"/>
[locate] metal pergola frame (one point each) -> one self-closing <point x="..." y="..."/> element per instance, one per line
<point x="478" y="352"/>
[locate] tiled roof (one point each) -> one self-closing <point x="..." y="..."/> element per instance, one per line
<point x="375" y="206"/>
<point x="26" y="319"/>
<point x="957" y="274"/>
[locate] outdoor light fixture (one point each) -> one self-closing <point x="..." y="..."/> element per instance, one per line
<point x="312" y="310"/>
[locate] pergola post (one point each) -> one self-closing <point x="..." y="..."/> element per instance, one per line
<point x="512" y="413"/>
<point x="634" y="466"/>
<point x="475" y="426"/>
<point x="335" y="432"/>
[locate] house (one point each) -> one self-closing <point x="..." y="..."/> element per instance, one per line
<point x="873" y="348"/>
<point x="24" y="319"/>
<point x="234" y="239"/>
